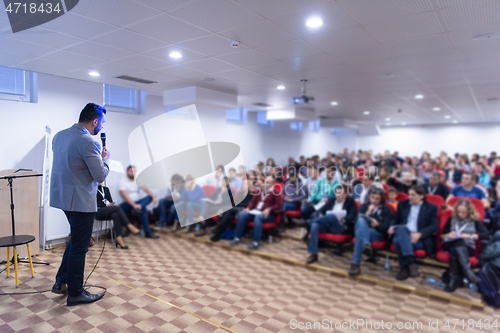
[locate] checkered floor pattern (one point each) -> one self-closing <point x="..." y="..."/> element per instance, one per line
<point x="177" y="285"/>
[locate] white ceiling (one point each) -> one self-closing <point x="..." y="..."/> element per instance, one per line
<point x="371" y="55"/>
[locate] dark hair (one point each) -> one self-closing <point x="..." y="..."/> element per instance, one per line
<point x="418" y="189"/>
<point x="344" y="187"/>
<point x="292" y="173"/>
<point x="378" y="191"/>
<point x="130" y="167"/>
<point x="90" y="112"/>
<point x="220" y="166"/>
<point x="176" y="177"/>
<point x="467" y="173"/>
<point x="392" y="189"/>
<point x="232" y="169"/>
<point x="475" y="178"/>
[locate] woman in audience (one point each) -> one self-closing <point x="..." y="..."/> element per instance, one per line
<point x="107" y="210"/>
<point x="459" y="235"/>
<point x="270" y="162"/>
<point x="495" y="169"/>
<point x="414" y="228"/>
<point x="374" y="219"/>
<point x="190" y="201"/>
<point x="484" y="176"/>
<point x="453" y="174"/>
<point x="384" y="174"/>
<point x="463" y="163"/>
<point x="426" y="157"/>
<point x="415" y="162"/>
<point x="339" y="216"/>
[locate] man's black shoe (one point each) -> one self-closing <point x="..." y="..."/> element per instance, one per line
<point x="151" y="235"/>
<point x="84" y="298"/>
<point x="59" y="288"/>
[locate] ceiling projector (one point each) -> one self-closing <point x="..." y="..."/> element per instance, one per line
<point x="304" y="99"/>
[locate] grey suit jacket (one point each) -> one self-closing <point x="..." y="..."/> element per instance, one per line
<point x="77" y="168"/>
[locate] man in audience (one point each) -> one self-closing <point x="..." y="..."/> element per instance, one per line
<point x="216" y="180"/>
<point x="403" y="185"/>
<point x="453" y="175"/>
<point x="137" y="197"/>
<point x="293" y="191"/>
<point x="425" y="171"/>
<point x="167" y="203"/>
<point x="399" y="160"/>
<point x="235" y="181"/>
<point x="414" y="227"/>
<point x="436" y="187"/>
<point x="482" y="173"/>
<point x="493" y="156"/>
<point x="468" y="190"/>
<point x="360" y="192"/>
<point x="325" y="189"/>
<point x="260" y="210"/>
<point x="339" y="216"/>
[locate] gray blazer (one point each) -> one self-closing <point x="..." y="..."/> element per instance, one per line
<point x="77" y="168"/>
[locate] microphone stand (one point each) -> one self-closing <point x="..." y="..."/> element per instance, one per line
<point x="10" y="180"/>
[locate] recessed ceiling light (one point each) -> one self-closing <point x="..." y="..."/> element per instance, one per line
<point x="334" y="103"/>
<point x="314" y="22"/>
<point x="366" y="113"/>
<point x="388" y="124"/>
<point x="419" y="96"/>
<point x="447" y="117"/>
<point x="403" y="124"/>
<point x="280" y="87"/>
<point x="175" y="55"/>
<point x="387" y="119"/>
<point x="455" y="121"/>
<point x="436" y="109"/>
<point x="94" y="73"/>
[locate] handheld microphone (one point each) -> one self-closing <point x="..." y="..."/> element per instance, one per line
<point x="103" y="140"/>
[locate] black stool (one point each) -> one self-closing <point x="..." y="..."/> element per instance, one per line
<point x="14" y="241"/>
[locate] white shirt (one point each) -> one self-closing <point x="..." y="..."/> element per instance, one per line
<point x="134" y="191"/>
<point x="412" y="222"/>
<point x="338" y="206"/>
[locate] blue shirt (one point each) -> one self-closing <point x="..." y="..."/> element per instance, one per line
<point x="475" y="192"/>
<point x="412" y="222"/>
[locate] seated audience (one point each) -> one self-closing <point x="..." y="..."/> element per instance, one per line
<point x="190" y="201"/>
<point x="294" y="192"/>
<point x="392" y="194"/>
<point x="265" y="203"/>
<point x="234" y="181"/>
<point x="167" y="203"/>
<point x="414" y="228"/>
<point x="453" y="175"/>
<point x="459" y="235"/>
<point x="374" y="218"/>
<point x="325" y="189"/>
<point x="222" y="197"/>
<point x="107" y="210"/>
<point x="468" y="190"/>
<point x="403" y="185"/>
<point x="436" y="187"/>
<point x="137" y="198"/>
<point x="360" y="192"/>
<point x="463" y="163"/>
<point x="228" y="216"/>
<point x="216" y="180"/>
<point x="384" y="174"/>
<point x="482" y="173"/>
<point x="339" y="216"/>
<point x="425" y="170"/>
<point x="242" y="172"/>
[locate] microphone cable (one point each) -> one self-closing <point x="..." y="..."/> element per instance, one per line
<point x="85" y="287"/>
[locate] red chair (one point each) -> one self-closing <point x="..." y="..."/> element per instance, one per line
<point x="361" y="173"/>
<point x="293" y="213"/>
<point x="209" y="190"/>
<point x="386" y="188"/>
<point x="401" y="196"/>
<point x="277" y="219"/>
<point x="393" y="209"/>
<point x="444" y="256"/>
<point x="357" y="204"/>
<point x="416" y="253"/>
<point x="336" y="238"/>
<point x="476" y="202"/>
<point x="436" y="200"/>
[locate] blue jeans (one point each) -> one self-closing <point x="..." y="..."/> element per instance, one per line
<point x="207" y="209"/>
<point x="364" y="235"/>
<point x="73" y="262"/>
<point x="258" y="220"/>
<point x="165" y="219"/>
<point x="404" y="247"/>
<point x="307" y="210"/>
<point x="191" y="208"/>
<point x="329" y="224"/>
<point x="144" y="212"/>
<point x="290" y="206"/>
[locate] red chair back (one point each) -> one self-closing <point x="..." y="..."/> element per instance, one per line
<point x="402" y="196"/>
<point x="443" y="218"/>
<point x="386" y="188"/>
<point x="209" y="190"/>
<point x="393" y="209"/>
<point x="436" y="200"/>
<point x="234" y="192"/>
<point x="357" y="204"/>
<point x="478" y="204"/>
<point x="361" y="173"/>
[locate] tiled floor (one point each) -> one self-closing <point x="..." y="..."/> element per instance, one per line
<point x="177" y="285"/>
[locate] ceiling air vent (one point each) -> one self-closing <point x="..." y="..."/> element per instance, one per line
<point x="135" y="79"/>
<point x="263" y="105"/>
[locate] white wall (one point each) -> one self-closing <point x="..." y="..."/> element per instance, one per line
<point x="412" y="141"/>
